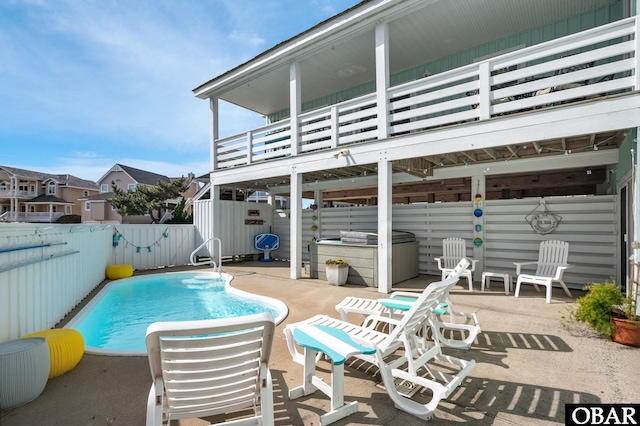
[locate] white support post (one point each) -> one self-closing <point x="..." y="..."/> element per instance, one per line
<point x="478" y="184"/>
<point x="335" y="127"/>
<point x="295" y="107"/>
<point x="249" y="147"/>
<point x="385" y="220"/>
<point x="213" y="136"/>
<point x="637" y="53"/>
<point x="485" y="88"/>
<point x="382" y="78"/>
<point x="317" y="198"/>
<point x="296" y="225"/>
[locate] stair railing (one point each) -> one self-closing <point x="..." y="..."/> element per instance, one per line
<point x="217" y="266"/>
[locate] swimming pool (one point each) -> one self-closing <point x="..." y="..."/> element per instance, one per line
<point x="115" y="321"/>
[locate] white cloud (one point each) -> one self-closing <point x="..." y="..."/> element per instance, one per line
<point x="249" y="39"/>
<point x="111" y="80"/>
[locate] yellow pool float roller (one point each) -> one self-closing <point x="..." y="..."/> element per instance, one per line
<point x="115" y="272"/>
<point x="66" y="347"/>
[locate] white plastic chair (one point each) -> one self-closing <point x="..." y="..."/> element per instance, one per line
<point x="445" y="374"/>
<point x="551" y="264"/>
<point x="211" y="367"/>
<point x="454" y="249"/>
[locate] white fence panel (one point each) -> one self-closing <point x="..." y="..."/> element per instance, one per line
<point x="589" y="224"/>
<point x="239" y="224"/>
<point x="151" y="246"/>
<point x="39" y="286"/>
<point x="431" y="223"/>
<point x="202" y="222"/>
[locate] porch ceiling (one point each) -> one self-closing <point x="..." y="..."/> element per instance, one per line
<point x="423" y="167"/>
<point x="423" y="31"/>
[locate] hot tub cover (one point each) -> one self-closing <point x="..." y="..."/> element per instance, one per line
<point x="371" y="237"/>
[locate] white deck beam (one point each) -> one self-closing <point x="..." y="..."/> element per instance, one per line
<point x="385" y="219"/>
<point x="296" y="225"/>
<point x="382" y="78"/>
<point x="295" y="105"/>
<point x="213" y="135"/>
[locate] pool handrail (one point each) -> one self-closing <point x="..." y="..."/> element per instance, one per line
<point x="217" y="266"/>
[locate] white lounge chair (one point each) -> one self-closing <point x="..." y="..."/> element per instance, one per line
<point x="404" y="334"/>
<point x="399" y="302"/>
<point x="210" y="367"/>
<point x="454" y="249"/>
<point x="551" y="264"/>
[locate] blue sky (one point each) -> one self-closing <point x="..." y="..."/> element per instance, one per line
<point x="85" y="84"/>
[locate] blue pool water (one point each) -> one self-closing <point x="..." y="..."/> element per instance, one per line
<point x="116" y="320"/>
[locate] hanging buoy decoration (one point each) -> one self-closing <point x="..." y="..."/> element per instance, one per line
<point x="477" y="212"/>
<point x="478" y="198"/>
<point x="314" y="228"/>
<point x="478" y="228"/>
<point x="314" y="206"/>
<point x="477" y="242"/>
<point x="314" y="217"/>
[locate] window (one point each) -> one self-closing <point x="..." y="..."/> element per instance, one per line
<point x="32" y="209"/>
<point x="87" y="206"/>
<point x="3" y="186"/>
<point x="51" y="188"/>
<point x="85" y="193"/>
<point x="131" y="187"/>
<point x="54" y="209"/>
<point x="67" y="210"/>
<point x="104" y="188"/>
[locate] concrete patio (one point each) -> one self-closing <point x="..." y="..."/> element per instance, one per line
<point x="528" y="365"/>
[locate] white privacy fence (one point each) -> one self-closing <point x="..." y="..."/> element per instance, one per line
<point x="47" y="270"/>
<point x="589" y="224"/>
<point x="152" y="246"/>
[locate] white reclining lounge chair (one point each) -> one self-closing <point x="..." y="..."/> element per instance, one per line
<point x="398" y="304"/>
<point x="403" y="335"/>
<point x="210" y="367"/>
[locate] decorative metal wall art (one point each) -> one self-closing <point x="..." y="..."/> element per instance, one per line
<point x="542" y="220"/>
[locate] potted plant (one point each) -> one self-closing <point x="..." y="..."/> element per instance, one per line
<point x="337" y="271"/>
<point x="610" y="313"/>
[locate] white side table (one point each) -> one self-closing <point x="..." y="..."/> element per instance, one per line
<point x="24" y="370"/>
<point x="486" y="278"/>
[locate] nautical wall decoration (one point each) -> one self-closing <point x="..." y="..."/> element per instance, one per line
<point x="542" y="220"/>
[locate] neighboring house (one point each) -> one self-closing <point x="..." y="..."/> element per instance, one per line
<point x="97" y="209"/>
<point x="29" y="196"/>
<point x="445" y="101"/>
<point x="279" y="201"/>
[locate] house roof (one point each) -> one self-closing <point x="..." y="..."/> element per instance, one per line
<point x="140" y="176"/>
<point x="73" y="181"/>
<point x="47" y="199"/>
<point x="60" y="179"/>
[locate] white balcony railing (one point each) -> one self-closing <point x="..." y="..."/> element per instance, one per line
<point x="33" y="217"/>
<point x="17" y="193"/>
<point x="586" y="65"/>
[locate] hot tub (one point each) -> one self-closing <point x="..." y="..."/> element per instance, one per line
<point x="360" y="250"/>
